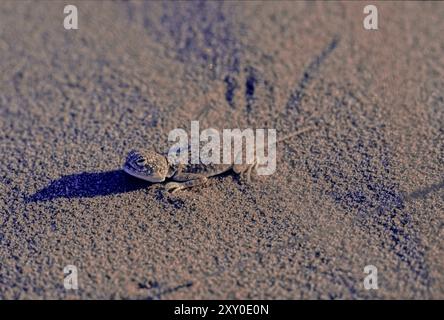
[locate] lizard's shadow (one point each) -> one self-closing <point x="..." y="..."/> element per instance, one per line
<point x="424" y="192"/>
<point x="88" y="185"/>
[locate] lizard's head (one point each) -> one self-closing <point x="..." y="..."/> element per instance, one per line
<point x="147" y="165"/>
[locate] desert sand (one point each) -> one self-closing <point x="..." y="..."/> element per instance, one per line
<point x="365" y="188"/>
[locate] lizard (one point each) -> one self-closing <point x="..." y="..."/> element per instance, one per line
<point x="154" y="167"/>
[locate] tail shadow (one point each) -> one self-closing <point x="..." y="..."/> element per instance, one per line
<point x="89" y="185"/>
<point x="422" y="193"/>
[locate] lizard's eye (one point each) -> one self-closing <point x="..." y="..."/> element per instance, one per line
<point x="140" y="162"/>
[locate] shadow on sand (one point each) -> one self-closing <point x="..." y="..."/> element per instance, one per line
<point x="422" y="193"/>
<point x="88" y="185"/>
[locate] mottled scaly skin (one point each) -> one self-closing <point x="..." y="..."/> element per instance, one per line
<point x="207" y="170"/>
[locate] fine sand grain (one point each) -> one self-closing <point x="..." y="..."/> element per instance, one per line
<point x="365" y="188"/>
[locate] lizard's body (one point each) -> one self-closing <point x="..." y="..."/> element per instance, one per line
<point x="155" y="167"/>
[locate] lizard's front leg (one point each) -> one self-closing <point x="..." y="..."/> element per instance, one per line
<point x="184" y="181"/>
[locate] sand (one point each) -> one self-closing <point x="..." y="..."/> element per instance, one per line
<point x="365" y="188"/>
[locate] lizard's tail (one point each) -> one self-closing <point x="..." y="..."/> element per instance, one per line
<point x="296" y="133"/>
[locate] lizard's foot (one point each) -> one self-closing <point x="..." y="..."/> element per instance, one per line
<point x="245" y="171"/>
<point x="172" y="187"/>
<point x="176" y="186"/>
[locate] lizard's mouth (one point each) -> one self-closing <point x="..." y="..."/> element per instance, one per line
<point x="151" y="178"/>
